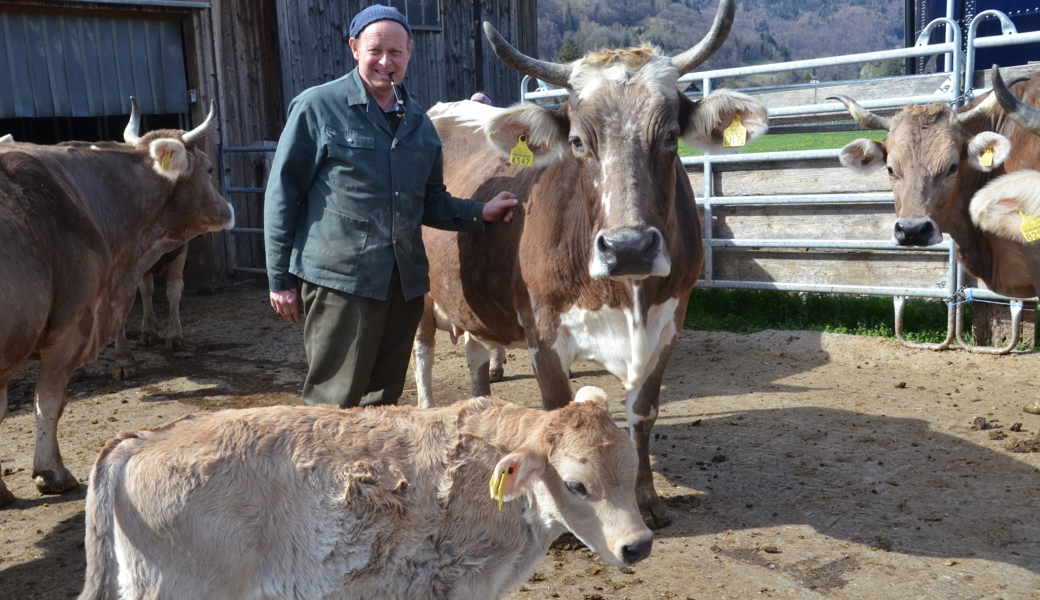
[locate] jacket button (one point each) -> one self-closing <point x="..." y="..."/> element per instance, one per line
<point x="397" y="194"/>
<point x="350" y="140"/>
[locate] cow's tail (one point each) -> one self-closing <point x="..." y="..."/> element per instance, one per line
<point x="102" y="569"/>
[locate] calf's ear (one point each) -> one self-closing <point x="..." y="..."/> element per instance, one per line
<point x="521" y="469"/>
<point x="996" y="146"/>
<point x="863" y="155"/>
<point x="704" y="123"/>
<point x="591" y="393"/>
<point x="545" y="133"/>
<point x="169" y="157"/>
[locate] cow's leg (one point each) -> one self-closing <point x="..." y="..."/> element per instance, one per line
<point x="497" y="369"/>
<point x="425" y="339"/>
<point x="6" y="497"/>
<point x="149" y="324"/>
<point x="478" y="359"/>
<point x="641" y="412"/>
<point x="124" y="367"/>
<point x="49" y="472"/>
<point x="174" y="290"/>
<point x="552" y="375"/>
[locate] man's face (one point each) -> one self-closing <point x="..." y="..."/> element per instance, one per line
<point x="382" y="51"/>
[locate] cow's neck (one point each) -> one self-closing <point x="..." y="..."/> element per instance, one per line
<point x="973" y="248"/>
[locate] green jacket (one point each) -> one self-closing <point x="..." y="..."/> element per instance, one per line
<point x="346" y="198"/>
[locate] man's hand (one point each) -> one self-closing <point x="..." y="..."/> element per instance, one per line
<point x="500" y="208"/>
<point x="288" y="304"/>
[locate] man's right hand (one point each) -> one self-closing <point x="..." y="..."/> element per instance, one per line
<point x="288" y="304"/>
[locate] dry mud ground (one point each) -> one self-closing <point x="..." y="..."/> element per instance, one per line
<point x="794" y="464"/>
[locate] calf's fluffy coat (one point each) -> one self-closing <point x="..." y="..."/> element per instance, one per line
<point x="392" y="502"/>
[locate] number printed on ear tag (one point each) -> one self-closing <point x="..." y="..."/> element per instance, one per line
<point x="986" y="160"/>
<point x="1030" y="227"/>
<point x="521" y="154"/>
<point x="735" y="135"/>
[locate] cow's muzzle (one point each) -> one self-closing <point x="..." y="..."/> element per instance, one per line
<point x="916" y="232"/>
<point x="629" y="253"/>
<point x="633" y="553"/>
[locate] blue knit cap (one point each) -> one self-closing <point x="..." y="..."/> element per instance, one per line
<point x="377" y="12"/>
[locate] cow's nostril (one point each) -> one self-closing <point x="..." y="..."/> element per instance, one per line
<point x="633" y="553"/>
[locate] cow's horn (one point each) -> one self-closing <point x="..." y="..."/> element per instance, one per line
<point x="207" y="125"/>
<point x="130" y="134"/>
<point x="689" y="60"/>
<point x="981" y="110"/>
<point x="861" y="115"/>
<point x="549" y="72"/>
<point x="1021" y="113"/>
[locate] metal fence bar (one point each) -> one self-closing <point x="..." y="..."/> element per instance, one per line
<point x="226" y="189"/>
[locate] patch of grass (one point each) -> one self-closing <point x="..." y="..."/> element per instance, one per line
<point x="750" y="311"/>
<point x="797" y="141"/>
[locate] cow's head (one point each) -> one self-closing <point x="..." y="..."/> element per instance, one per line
<point x="1022" y="114"/>
<point x="927" y="152"/>
<point x="582" y="470"/>
<point x="178" y="158"/>
<point x="621" y="125"/>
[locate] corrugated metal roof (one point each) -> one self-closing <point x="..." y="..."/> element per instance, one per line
<point x="57" y="66"/>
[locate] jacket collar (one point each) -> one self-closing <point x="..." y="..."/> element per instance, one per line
<point x="357" y="94"/>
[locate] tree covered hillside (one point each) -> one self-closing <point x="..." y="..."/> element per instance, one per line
<point x="764" y="31"/>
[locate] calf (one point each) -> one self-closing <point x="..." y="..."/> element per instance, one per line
<point x="390" y="502"/>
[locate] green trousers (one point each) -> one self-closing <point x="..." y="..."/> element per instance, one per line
<point x="357" y="348"/>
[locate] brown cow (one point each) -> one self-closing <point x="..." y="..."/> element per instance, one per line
<point x="391" y="502"/>
<point x="607" y="245"/>
<point x="79" y="226"/>
<point x="937" y="159"/>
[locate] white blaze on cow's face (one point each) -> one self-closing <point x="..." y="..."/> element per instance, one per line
<point x="621" y="128"/>
<point x="927" y="154"/>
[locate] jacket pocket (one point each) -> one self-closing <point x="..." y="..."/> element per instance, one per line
<point x="336" y="242"/>
<point x="351" y="154"/>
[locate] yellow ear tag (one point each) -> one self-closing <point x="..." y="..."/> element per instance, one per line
<point x="735" y="135"/>
<point x="986" y="160"/>
<point x="165" y="162"/>
<point x="498" y="486"/>
<point x="521" y="154"/>
<point x="1030" y="227"/>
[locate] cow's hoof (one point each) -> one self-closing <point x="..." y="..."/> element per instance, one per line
<point x="655" y="517"/>
<point x="51" y="482"/>
<point x="6" y="497"/>
<point x="149" y="337"/>
<point x="175" y="343"/>
<point x="124" y="370"/>
<point x="496" y="375"/>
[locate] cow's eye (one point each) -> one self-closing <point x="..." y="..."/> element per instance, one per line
<point x="891" y="172"/>
<point x="670" y="137"/>
<point x="575" y="487"/>
<point x="952" y="169"/>
<point x="577" y="144"/>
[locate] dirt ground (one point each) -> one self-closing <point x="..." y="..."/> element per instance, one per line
<point x="794" y="464"/>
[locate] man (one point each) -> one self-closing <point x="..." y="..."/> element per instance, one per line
<point x="358" y="169"/>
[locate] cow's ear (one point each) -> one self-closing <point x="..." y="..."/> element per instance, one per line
<point x="863" y="155"/>
<point x="544" y="132"/>
<point x="987" y="151"/>
<point x="169" y="157"/>
<point x="521" y="469"/>
<point x="704" y="123"/>
<point x="998" y="208"/>
<point x="591" y="393"/>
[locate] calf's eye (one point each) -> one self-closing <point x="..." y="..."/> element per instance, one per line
<point x="575" y="487"/>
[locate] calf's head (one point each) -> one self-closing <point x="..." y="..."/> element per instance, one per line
<point x="581" y="469"/>
<point x="620" y="129"/>
<point x="929" y="153"/>
<point x="193" y="206"/>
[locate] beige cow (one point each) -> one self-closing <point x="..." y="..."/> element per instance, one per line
<point x="375" y="503"/>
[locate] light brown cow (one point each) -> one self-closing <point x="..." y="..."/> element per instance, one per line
<point x="375" y="503"/>
<point x="607" y="243"/>
<point x="79" y="226"/>
<point x="937" y="159"/>
<point x="1009" y="206"/>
